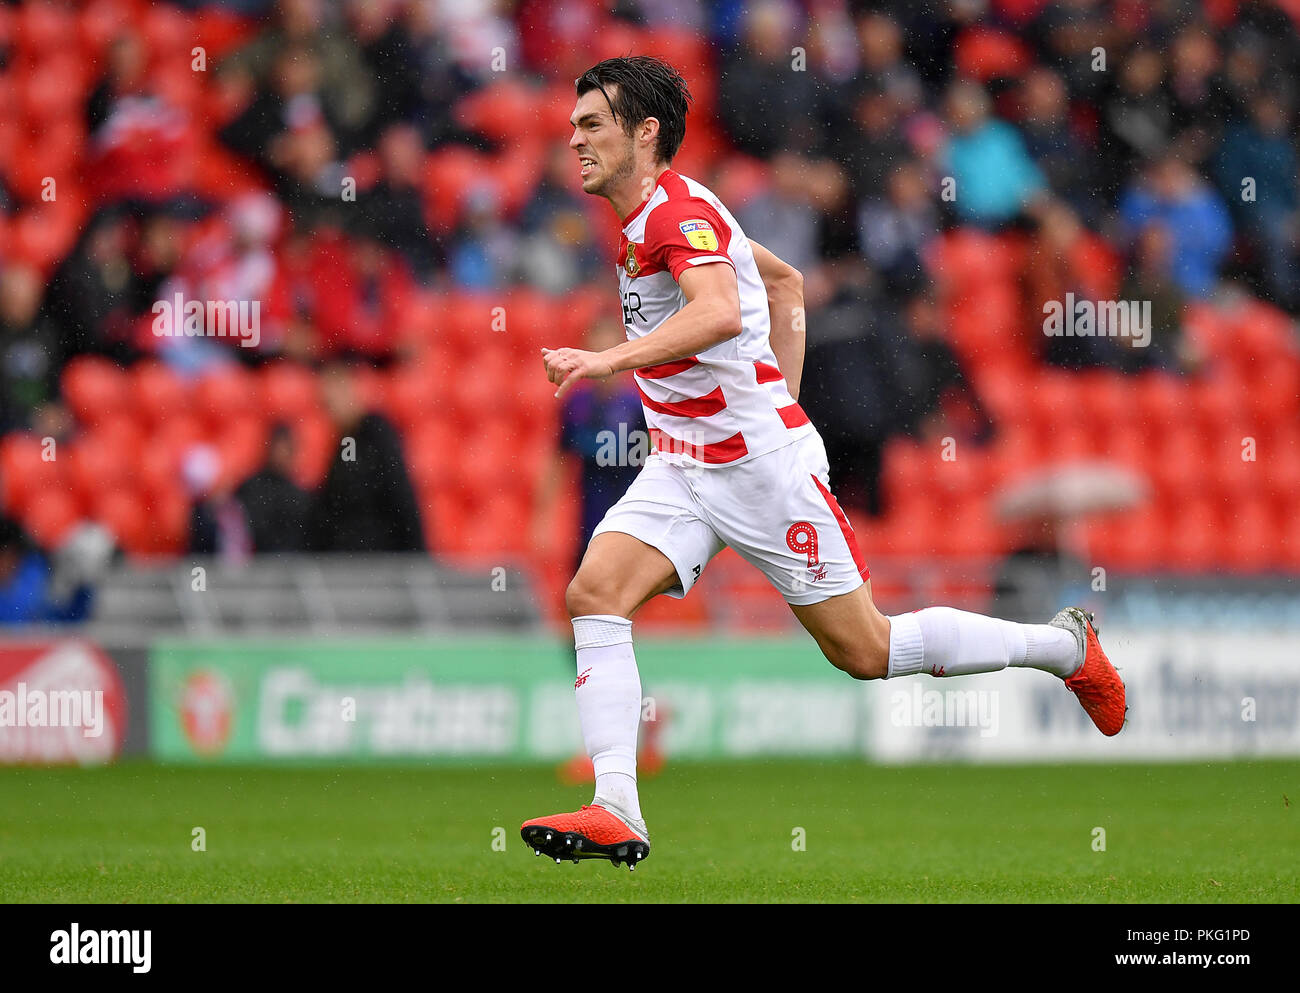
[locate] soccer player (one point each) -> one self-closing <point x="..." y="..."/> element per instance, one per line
<point x="716" y="356"/>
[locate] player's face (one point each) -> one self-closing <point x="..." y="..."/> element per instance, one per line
<point x="605" y="152"/>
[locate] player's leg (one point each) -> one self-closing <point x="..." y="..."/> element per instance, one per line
<point x="941" y="641"/>
<point x="803" y="542"/>
<point x="944" y="641"/>
<point x="650" y="542"/>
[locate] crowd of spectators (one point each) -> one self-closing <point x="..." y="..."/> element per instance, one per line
<point x="1115" y="137"/>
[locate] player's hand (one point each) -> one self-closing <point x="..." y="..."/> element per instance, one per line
<point x="565" y="366"/>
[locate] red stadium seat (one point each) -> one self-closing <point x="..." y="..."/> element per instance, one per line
<point x="95" y="388"/>
<point x="986" y="53"/>
<point x="1252" y="541"/>
<point x="1192" y="532"/>
<point x="225" y="394"/>
<point x="30" y="470"/>
<point x="450" y="172"/>
<point x="51" y="518"/>
<point x="289" y="390"/>
<point x="499" y="111"/>
<point x="316" y="443"/>
<point x="43" y="27"/>
<point x="1134" y="542"/>
<point x="169" y="522"/>
<point x="1177" y="463"/>
<point x="95" y="467"/>
<point x="157" y="393"/>
<point x="241" y="442"/>
<point x="124" y="514"/>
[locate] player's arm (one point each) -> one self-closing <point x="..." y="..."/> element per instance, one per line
<point x="710" y="317"/>
<point x="784" y="285"/>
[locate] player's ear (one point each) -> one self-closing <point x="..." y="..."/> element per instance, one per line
<point x="649" y="131"/>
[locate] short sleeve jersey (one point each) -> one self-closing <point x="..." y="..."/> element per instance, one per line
<point x="730" y="402"/>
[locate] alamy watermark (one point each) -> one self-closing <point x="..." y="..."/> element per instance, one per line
<point x="34" y="708"/>
<point x="945" y="708"/>
<point x="181" y="318"/>
<point x="1098" y="319"/>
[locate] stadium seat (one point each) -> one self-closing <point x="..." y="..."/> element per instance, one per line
<point x="95" y="389"/>
<point x="987" y="54"/>
<point x="1252" y="541"/>
<point x="51" y="518"/>
<point x="30" y="470"/>
<point x="225" y="394"/>
<point x="124" y="514"/>
<point x="157" y="393"/>
<point x="241" y="442"/>
<point x="289" y="390"/>
<point x="316" y="443"/>
<point x="1162" y="401"/>
<point x="1191" y="532"/>
<point x="499" y="111"/>
<point x="95" y="467"/>
<point x="1134" y="541"/>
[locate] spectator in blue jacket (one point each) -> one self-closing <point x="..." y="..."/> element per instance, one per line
<point x="26" y="593"/>
<point x="1172" y="195"/>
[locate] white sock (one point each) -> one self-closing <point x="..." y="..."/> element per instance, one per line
<point x="608" y="690"/>
<point x="944" y="641"/>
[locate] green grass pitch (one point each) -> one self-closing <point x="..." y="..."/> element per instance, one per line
<point x="1203" y="832"/>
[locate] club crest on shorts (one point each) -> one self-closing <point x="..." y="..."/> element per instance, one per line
<point x="631" y="264"/>
<point x="700" y="235"/>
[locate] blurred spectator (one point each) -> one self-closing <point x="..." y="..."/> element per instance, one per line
<point x="347" y="91"/>
<point x="1171" y="194"/>
<point x="1200" y="100"/>
<point x="1065" y="258"/>
<point x="881" y="41"/>
<point x="870" y="146"/>
<point x="558" y="251"/>
<point x="390" y="61"/>
<point x="484" y="251"/>
<point x="275" y="505"/>
<point x="394" y="210"/>
<point x="995" y="177"/>
<point x="764" y="102"/>
<point x="1137" y="120"/>
<point x="850" y="387"/>
<point x="141" y="146"/>
<point x="366" y="503"/>
<point x="936" y="399"/>
<point x="895" y="229"/>
<point x="599" y="415"/>
<point x="1066" y="161"/>
<point x="91" y="299"/>
<point x="1150" y="278"/>
<point x="28" y="593"/>
<point x="1262" y="150"/>
<point x="29" y="358"/>
<point x="218" y="522"/>
<point x="1035" y="577"/>
<point x="1067" y="34"/>
<point x="782" y="218"/>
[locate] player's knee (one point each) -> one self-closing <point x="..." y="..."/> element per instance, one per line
<point x="863" y="663"/>
<point x="586" y="595"/>
<point x="865" y="657"/>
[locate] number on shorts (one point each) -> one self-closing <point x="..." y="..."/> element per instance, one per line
<point x="802" y="539"/>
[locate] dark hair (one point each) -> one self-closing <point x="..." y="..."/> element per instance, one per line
<point x="647" y="87"/>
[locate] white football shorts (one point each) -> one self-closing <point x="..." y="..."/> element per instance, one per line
<point x="775" y="510"/>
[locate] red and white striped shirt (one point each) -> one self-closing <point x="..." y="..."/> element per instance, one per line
<point x="730" y="402"/>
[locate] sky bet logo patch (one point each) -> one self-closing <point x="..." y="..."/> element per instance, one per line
<point x="700" y="235"/>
